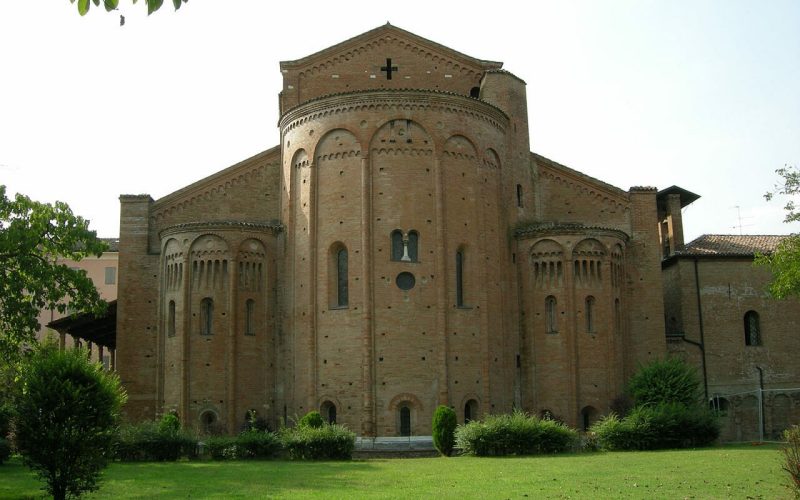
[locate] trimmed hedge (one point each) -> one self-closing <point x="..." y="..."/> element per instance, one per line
<point x="247" y="445"/>
<point x="329" y="442"/>
<point x="152" y="441"/>
<point x="514" y="434"/>
<point x="667" y="425"/>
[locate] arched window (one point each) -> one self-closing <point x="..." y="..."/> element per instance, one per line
<point x="475" y="92"/>
<point x="405" y="421"/>
<point x="752" y="329"/>
<point x="413" y="246"/>
<point x="590" y="314"/>
<point x="207" y="419"/>
<point x="460" y="278"/>
<point x="341" y="278"/>
<point x="519" y="195"/>
<point x="206" y="316"/>
<point x="328" y="412"/>
<point x="397" y="244"/>
<point x="171" y="319"/>
<point x="249" y="317"/>
<point x="550" y="315"/>
<point x="588" y="417"/>
<point x="470" y="411"/>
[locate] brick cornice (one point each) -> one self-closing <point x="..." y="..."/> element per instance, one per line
<point x="401" y="100"/>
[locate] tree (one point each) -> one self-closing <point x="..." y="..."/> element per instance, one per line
<point x="784" y="262"/>
<point x="152" y="5"/>
<point x="665" y="381"/>
<point x="33" y="237"/>
<point x="67" y="418"/>
<point x="444" y="428"/>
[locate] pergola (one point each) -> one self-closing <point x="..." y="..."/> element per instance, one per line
<point x="100" y="331"/>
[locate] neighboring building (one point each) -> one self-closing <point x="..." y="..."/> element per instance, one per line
<point x="103" y="273"/>
<point x="402" y="248"/>
<point x="720" y="317"/>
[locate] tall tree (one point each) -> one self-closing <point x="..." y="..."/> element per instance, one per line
<point x="784" y="262"/>
<point x="35" y="239"/>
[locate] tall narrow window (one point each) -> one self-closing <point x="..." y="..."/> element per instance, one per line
<point x="617" y="316"/>
<point x="206" y="316"/>
<point x="590" y="314"/>
<point x="397" y="244"/>
<point x="752" y="329"/>
<point x="405" y="421"/>
<point x="550" y="317"/>
<point x="111" y="275"/>
<point x="470" y="411"/>
<point x="413" y="245"/>
<point x="249" y="317"/>
<point x="519" y="195"/>
<point x="341" y="277"/>
<point x="460" y="278"/>
<point x="171" y="319"/>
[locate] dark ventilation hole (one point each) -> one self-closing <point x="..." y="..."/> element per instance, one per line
<point x="405" y="281"/>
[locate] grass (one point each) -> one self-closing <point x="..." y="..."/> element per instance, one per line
<point x="724" y="472"/>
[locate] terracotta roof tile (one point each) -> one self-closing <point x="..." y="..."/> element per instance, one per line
<point x="731" y="245"/>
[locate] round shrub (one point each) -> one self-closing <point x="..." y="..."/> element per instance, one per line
<point x="667" y="381"/>
<point x="311" y="419"/>
<point x="444" y="427"/>
<point x="514" y="434"/>
<point x="67" y="415"/>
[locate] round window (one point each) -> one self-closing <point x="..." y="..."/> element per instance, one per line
<point x="405" y="281"/>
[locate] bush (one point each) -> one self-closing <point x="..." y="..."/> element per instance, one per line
<point x="667" y="381"/>
<point x="169" y="423"/>
<point x="444" y="427"/>
<point x="311" y="419"/>
<point x="67" y="417"/>
<point x="791" y="453"/>
<point x="669" y="425"/>
<point x="221" y="447"/>
<point x="514" y="434"/>
<point x="150" y="441"/>
<point x="328" y="442"/>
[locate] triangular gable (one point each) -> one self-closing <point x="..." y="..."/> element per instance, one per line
<point x="386" y="57"/>
<point x="226" y="193"/>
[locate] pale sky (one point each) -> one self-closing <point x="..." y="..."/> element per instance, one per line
<point x="701" y="94"/>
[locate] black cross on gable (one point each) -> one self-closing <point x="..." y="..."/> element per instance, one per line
<point x="389" y="68"/>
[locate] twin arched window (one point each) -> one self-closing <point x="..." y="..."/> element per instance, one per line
<point x="405" y="249"/>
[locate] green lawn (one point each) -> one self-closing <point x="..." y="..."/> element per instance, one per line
<point x="726" y="472"/>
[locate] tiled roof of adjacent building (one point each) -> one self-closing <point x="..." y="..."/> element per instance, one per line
<point x="113" y="244"/>
<point x="731" y="245"/>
